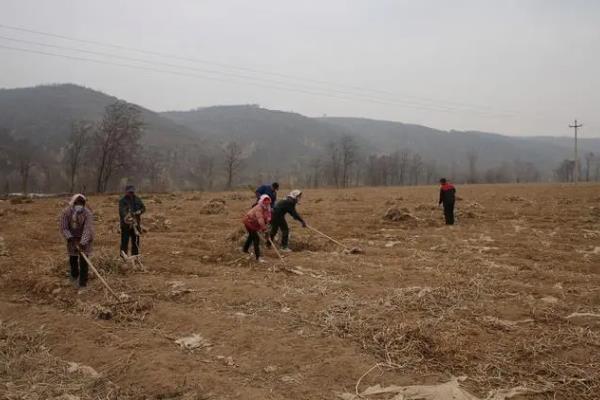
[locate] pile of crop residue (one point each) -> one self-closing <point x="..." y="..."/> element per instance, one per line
<point x="396" y="214"/>
<point x="157" y="223"/>
<point x="213" y="207"/>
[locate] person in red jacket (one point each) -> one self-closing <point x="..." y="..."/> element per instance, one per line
<point x="447" y="198"/>
<point x="255" y="221"/>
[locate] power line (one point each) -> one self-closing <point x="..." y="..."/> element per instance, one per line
<point x="179" y="73"/>
<point x="104" y="54"/>
<point x="449" y="104"/>
<point x="77" y="58"/>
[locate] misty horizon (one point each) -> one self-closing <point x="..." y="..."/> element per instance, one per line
<point x="521" y="68"/>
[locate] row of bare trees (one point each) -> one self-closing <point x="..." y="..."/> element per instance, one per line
<point x="588" y="170"/>
<point x="101" y="156"/>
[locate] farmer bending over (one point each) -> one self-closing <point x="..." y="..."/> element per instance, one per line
<point x="255" y="221"/>
<point x="131" y="208"/>
<point x="283" y="207"/>
<point x="76" y="225"/>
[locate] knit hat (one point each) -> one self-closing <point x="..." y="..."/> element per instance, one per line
<point x="129" y="189"/>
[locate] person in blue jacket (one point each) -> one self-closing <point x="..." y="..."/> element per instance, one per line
<point x="269" y="190"/>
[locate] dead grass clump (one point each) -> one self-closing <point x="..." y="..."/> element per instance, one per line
<point x="19" y="211"/>
<point x="236" y="235"/>
<point x="21" y="200"/>
<point x="347" y="197"/>
<point x="129" y="310"/>
<point x="341" y="318"/>
<point x="468" y="214"/>
<point x="239" y="196"/>
<point x="399" y="215"/>
<point x="398" y="344"/>
<point x="29" y="371"/>
<point x="194" y="197"/>
<point x="435" y="301"/>
<point x="425" y="207"/>
<point x="213" y="206"/>
<point x="3" y="248"/>
<point x="515" y="199"/>
<point x="157" y="223"/>
<point x="111" y="200"/>
<point x="308" y="244"/>
<point x="108" y="263"/>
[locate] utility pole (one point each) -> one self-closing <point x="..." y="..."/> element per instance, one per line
<point x="576" y="160"/>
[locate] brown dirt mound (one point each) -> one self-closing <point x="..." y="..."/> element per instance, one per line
<point x="213" y="206"/>
<point x="396" y="214"/>
<point x="305" y="244"/>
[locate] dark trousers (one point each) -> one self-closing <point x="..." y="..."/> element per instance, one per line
<point x="127" y="234"/>
<point x="449" y="213"/>
<point x="276" y="225"/>
<point x="79" y="269"/>
<point x="253" y="238"/>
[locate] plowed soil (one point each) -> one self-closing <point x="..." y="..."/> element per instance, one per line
<point x="494" y="298"/>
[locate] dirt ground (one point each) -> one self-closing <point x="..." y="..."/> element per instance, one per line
<point x="510" y="296"/>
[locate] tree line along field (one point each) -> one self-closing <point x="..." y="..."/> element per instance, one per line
<point x="509" y="297"/>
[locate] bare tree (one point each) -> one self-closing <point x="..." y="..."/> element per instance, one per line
<point x="315" y="168"/>
<point x="232" y="153"/>
<point x="416" y="167"/>
<point x="24" y="156"/>
<point x="472" y="158"/>
<point x="334" y="166"/>
<point x="209" y="172"/>
<point x="430" y="172"/>
<point x="76" y="146"/>
<point x="564" y="172"/>
<point x="116" y="142"/>
<point x="403" y="165"/>
<point x="348" y="153"/>
<point x="589" y="159"/>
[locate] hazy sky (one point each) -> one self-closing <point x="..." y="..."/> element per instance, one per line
<point x="521" y="67"/>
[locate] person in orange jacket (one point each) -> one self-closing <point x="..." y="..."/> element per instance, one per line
<point x="255" y="221"/>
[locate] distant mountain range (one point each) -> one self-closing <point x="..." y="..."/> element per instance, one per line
<point x="275" y="142"/>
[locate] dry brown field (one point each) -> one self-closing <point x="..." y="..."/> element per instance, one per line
<point x="507" y="298"/>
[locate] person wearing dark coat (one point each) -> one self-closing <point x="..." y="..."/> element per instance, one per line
<point x="283" y="207"/>
<point x="447" y="198"/>
<point x="131" y="208"/>
<point x="269" y="190"/>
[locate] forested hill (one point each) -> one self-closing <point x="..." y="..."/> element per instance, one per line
<point x="44" y="114"/>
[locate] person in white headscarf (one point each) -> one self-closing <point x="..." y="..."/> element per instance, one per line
<point x="76" y="225"/>
<point x="283" y="207"/>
